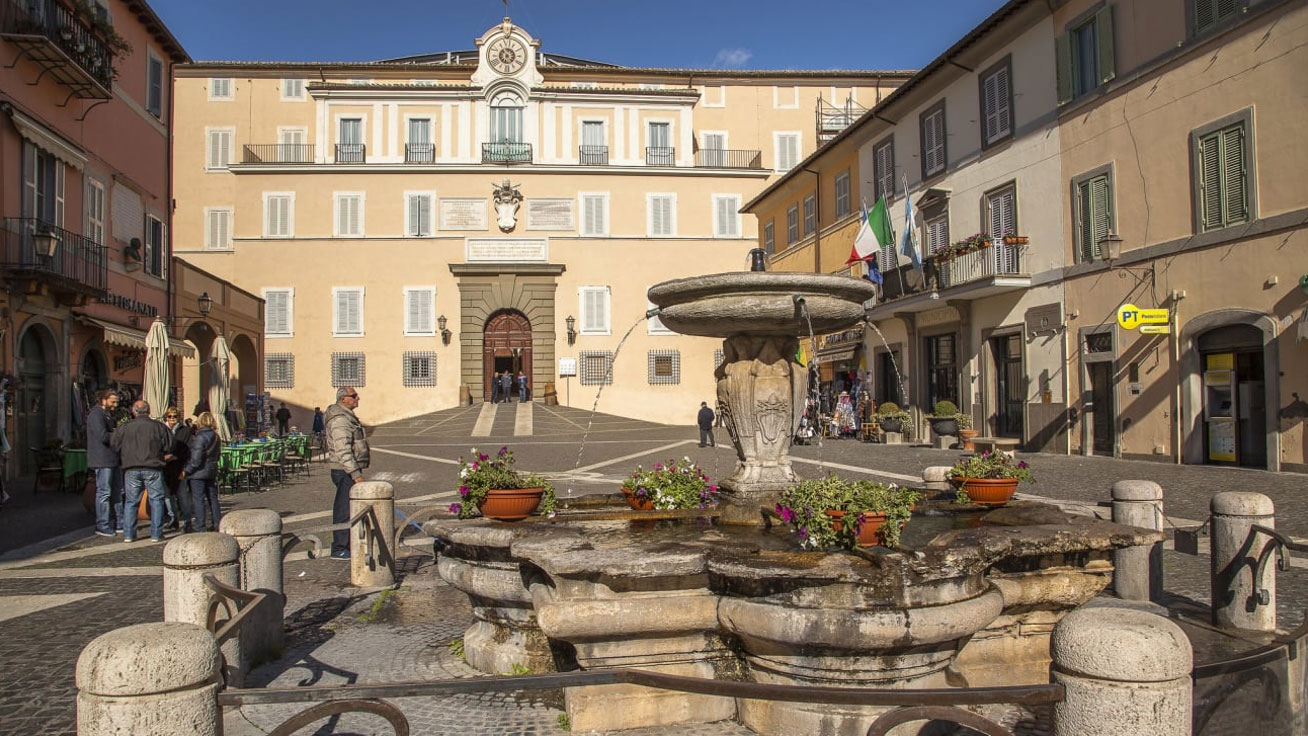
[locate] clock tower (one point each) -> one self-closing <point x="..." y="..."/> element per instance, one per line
<point x="506" y="52"/>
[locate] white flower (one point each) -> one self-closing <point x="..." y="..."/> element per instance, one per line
<point x="463" y="472"/>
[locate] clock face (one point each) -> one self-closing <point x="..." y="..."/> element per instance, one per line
<point x="506" y="55"/>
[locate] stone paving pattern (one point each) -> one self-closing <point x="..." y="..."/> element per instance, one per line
<point x="410" y="639"/>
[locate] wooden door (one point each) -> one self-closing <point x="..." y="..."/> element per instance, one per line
<point x="506" y="341"/>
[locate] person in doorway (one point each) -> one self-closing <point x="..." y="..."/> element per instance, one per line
<point x="706" y="418"/>
<point x="348" y="448"/>
<point x="283" y="420"/>
<point x="201" y="472"/>
<point x="317" y="425"/>
<point x="178" y="502"/>
<point x="522" y="387"/>
<point x="144" y="447"/>
<point x="102" y="459"/>
<point x="495" y="388"/>
<point x="506" y="386"/>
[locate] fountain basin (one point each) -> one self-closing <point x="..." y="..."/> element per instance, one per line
<point x="760" y="303"/>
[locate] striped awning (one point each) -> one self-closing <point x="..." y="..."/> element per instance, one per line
<point x="134" y="339"/>
<point x="836" y="356"/>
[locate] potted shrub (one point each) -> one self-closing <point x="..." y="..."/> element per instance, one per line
<point x="891" y="418"/>
<point x="944" y="419"/>
<point x="819" y="510"/>
<point x="989" y="479"/>
<point x="965" y="432"/>
<point x="491" y="486"/>
<point x="670" y="486"/>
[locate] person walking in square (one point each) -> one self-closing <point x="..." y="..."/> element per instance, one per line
<point x="706" y="418"/>
<point x="102" y="459"/>
<point x="522" y="387"/>
<point x="495" y="388"/>
<point x="201" y="472"/>
<point x="283" y="420"/>
<point x="143" y="445"/>
<point x="506" y="386"/>
<point x="348" y="448"/>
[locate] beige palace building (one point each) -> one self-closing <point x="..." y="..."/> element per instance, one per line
<point x="418" y="224"/>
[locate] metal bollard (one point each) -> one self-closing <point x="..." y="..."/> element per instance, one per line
<point x="1125" y="672"/>
<point x="1240" y="599"/>
<point x="186" y="560"/>
<point x="1138" y="571"/>
<point x="157" y="679"/>
<point x="368" y="553"/>
<point x="258" y="532"/>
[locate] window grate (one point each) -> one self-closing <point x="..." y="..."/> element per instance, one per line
<point x="596" y="367"/>
<point x="348" y="369"/>
<point x="419" y="369"/>
<point x="664" y="367"/>
<point x="279" y="370"/>
<point x="718" y="359"/>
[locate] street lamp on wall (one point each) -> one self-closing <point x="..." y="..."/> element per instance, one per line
<point x="204" y="303"/>
<point x="44" y="243"/>
<point x="572" y="329"/>
<point x="1110" y="248"/>
<point x="445" y="334"/>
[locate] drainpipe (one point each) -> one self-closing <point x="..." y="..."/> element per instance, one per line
<point x="1177" y="296"/>
<point x="817" y="220"/>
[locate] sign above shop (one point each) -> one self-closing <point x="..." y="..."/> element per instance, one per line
<point x="130" y="305"/>
<point x="1155" y="329"/>
<point x="1129" y="317"/>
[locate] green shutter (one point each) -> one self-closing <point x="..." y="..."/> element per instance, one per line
<point x="1063" y="67"/>
<point x="1101" y="216"/>
<point x="1083" y="230"/>
<point x="1205" y="13"/>
<point x="1235" y="206"/>
<point x="1104" y="34"/>
<point x="1210" y="182"/>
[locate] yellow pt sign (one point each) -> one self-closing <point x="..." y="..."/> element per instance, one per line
<point x="1130" y="317"/>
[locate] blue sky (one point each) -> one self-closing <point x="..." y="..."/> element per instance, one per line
<point x="747" y="34"/>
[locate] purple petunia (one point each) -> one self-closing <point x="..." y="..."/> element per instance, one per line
<point x="1021" y="464"/>
<point x="463" y="491"/>
<point x="456" y="508"/>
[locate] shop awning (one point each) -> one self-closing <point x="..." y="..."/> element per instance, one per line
<point x="836" y="356"/>
<point x="128" y="337"/>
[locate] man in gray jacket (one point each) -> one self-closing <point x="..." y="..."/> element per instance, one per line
<point x="348" y="450"/>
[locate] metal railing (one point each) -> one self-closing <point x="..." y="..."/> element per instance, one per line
<point x="726" y="158"/>
<point x="999" y="259"/>
<point x="63" y="29"/>
<point x="278" y="153"/>
<point x="351" y="153"/>
<point x="660" y="156"/>
<point x="506" y="152"/>
<point x="593" y="155"/>
<point x="79" y="263"/>
<point x="236" y="603"/>
<point x="364" y="524"/>
<point x="419" y="153"/>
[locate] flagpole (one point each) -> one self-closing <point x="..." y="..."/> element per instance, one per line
<point x="903" y="287"/>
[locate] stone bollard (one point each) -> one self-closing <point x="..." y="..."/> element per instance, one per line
<point x="186" y="559"/>
<point x="936" y="478"/>
<point x="258" y="532"/>
<point x="1138" y="571"/>
<point x="365" y="572"/>
<point x="157" y="679"/>
<point x="1126" y="672"/>
<point x="1236" y="594"/>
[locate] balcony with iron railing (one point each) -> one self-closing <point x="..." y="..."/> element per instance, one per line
<point x="979" y="273"/>
<point x="66" y="262"/>
<point x="506" y="152"/>
<point x="62" y="43"/>
<point x="660" y="156"/>
<point x="593" y="155"/>
<point x="278" y="153"/>
<point x="725" y="158"/>
<point x="351" y="153"/>
<point x="419" y="153"/>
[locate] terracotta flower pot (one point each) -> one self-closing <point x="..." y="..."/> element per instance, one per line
<point x="1015" y="239"/>
<point x="639" y="503"/>
<point x="989" y="491"/>
<point x="966" y="436"/>
<point x="88" y="494"/>
<point x="143" y="511"/>
<point x="510" y="504"/>
<point x="869" y="532"/>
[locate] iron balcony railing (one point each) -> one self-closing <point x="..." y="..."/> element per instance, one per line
<point x="593" y="155"/>
<point x="506" y="152"/>
<point x="660" y="156"/>
<point x="278" y="153"/>
<point x="55" y="37"/>
<point x="999" y="259"/>
<point x="419" y="153"/>
<point x="351" y="153"/>
<point x="77" y="263"/>
<point x="724" y="158"/>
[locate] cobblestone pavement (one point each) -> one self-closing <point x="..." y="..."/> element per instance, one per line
<point x="53" y="601"/>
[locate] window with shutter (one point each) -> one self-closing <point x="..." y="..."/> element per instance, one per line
<point x="934" y="154"/>
<point x="1093" y="214"/>
<point x="1208" y="14"/>
<point x="155" y="247"/>
<point x="594" y="214"/>
<point x="883" y="169"/>
<point x="1001" y="219"/>
<point x="809" y="221"/>
<point x="1084" y="55"/>
<point x="349" y="215"/>
<point x="662" y="214"/>
<point x="279" y="312"/>
<point x="594" y="310"/>
<point x="348" y="311"/>
<point x="94" y="210"/>
<point x="770" y="237"/>
<point x="787" y="150"/>
<point x="418" y="213"/>
<point x="842" y="195"/>
<point x="937" y="234"/>
<point x="726" y="223"/>
<point x="220" y="149"/>
<point x="218" y="233"/>
<point x="154" y="84"/>
<point x="792" y="225"/>
<point x="220" y="88"/>
<point x="1224" y="190"/>
<point x="419" y="310"/>
<point x="996" y="103"/>
<point x="279" y="217"/>
<point x="292" y="89"/>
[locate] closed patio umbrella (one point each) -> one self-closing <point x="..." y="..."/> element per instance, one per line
<point x="218" y="389"/>
<point x="156" y="368"/>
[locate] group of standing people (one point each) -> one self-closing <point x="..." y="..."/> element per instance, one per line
<point x="503" y="383"/>
<point x="144" y="455"/>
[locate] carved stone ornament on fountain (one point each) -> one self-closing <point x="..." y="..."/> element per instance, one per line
<point x="508" y="198"/>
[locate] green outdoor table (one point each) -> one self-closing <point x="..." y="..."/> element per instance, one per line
<point x="74" y="468"/>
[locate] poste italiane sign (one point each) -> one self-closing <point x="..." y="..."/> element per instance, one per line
<point x="1129" y="317"/>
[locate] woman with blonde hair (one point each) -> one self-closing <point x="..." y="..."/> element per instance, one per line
<point x="201" y="472"/>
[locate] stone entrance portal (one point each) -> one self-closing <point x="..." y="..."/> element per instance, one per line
<point x="506" y="346"/>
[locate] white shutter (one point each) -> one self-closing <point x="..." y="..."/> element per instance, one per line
<point x="419" y="215"/>
<point x="277" y="311"/>
<point x="29" y="180"/>
<point x="995" y="103"/>
<point x="59" y="193"/>
<point x="660" y="215"/>
<point x="349" y="214"/>
<point x="715" y="141"/>
<point x="885" y="173"/>
<point x="418" y="311"/>
<point x="276" y="217"/>
<point x="349" y="312"/>
<point x="290" y="136"/>
<point x="593" y="216"/>
<point x="219" y="230"/>
<point x="595" y="309"/>
<point x="787" y="151"/>
<point x="220" y="149"/>
<point x="725" y="217"/>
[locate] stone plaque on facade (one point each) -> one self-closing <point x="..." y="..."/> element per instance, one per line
<point x="939" y="316"/>
<point x="463" y="214"/>
<point x="1046" y="319"/>
<point x="549" y="214"/>
<point x="507" y="250"/>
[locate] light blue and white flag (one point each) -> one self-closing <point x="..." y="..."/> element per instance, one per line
<point x="907" y="240"/>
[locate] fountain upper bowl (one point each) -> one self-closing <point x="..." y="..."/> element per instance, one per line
<point x="761" y="303"/>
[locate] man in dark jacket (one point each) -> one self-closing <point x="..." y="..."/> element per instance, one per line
<point x="506" y="386"/>
<point x="103" y="461"/>
<point x="143" y="446"/>
<point x="705" y="419"/>
<point x="283" y="420"/>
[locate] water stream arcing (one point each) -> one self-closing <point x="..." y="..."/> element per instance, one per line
<point x="608" y="377"/>
<point x="903" y="395"/>
<point x="813" y="391"/>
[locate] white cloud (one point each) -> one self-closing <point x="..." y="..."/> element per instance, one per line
<point x="732" y="58"/>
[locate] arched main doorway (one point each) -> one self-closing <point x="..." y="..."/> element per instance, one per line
<point x="506" y="346"/>
<point x="37" y="410"/>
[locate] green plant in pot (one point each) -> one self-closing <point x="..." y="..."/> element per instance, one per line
<point x="944" y="419"/>
<point x="965" y="432"/>
<point x="990" y="478"/>
<point x="891" y="418"/>
<point x="491" y="486"/>
<point x="671" y="485"/>
<point x="820" y="510"/>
